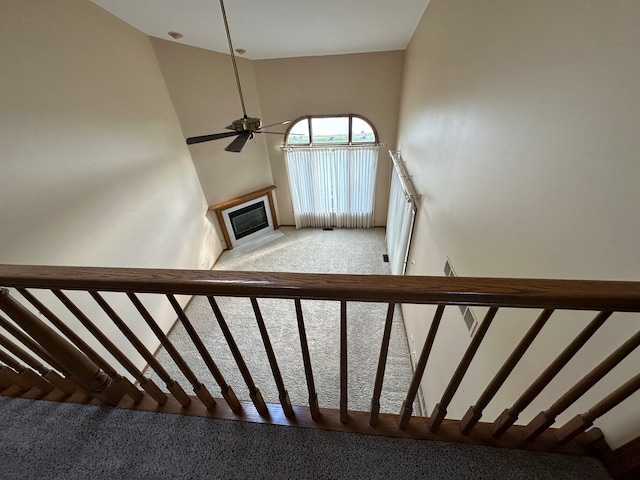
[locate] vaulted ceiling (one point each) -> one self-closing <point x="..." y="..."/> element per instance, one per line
<point x="277" y="28"/>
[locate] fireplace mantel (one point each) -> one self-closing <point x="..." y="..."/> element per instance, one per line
<point x="218" y="208"/>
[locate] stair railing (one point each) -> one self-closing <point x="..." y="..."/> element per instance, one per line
<point x="47" y="356"/>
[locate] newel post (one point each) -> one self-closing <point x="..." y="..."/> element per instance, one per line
<point x="81" y="368"/>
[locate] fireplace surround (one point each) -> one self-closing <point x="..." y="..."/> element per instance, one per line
<point x="246" y="218"/>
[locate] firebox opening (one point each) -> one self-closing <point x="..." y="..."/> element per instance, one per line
<point x="248" y="220"/>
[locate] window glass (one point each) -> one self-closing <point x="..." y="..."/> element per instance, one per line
<point x="330" y="130"/>
<point x="299" y="133"/>
<point x="347" y="129"/>
<point x="362" y="132"/>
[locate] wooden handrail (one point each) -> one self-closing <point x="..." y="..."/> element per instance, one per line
<point x="503" y="292"/>
<point x="72" y="356"/>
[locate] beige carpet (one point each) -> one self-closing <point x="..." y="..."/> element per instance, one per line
<point x="310" y="251"/>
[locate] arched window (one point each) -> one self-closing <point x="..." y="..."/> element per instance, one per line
<point x="332" y="166"/>
<point x="346" y="129"/>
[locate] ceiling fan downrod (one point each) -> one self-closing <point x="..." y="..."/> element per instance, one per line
<point x="233" y="58"/>
<point x="243" y="128"/>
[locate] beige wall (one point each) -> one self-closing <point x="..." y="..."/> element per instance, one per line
<point x="94" y="169"/>
<point x="519" y="125"/>
<point x="203" y="90"/>
<point x="367" y="84"/>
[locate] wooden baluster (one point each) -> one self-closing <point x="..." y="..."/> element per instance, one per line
<point x="546" y="418"/>
<point x="283" y="394"/>
<point x="580" y="423"/>
<point x="148" y="385"/>
<point x="510" y="415"/>
<point x="31" y="344"/>
<point x="29" y="375"/>
<point x="4" y="382"/>
<point x="198" y="388"/>
<point x="11" y="378"/>
<point x="117" y="382"/>
<point x="254" y="393"/>
<point x="127" y="387"/>
<point x="83" y="370"/>
<point x="382" y="364"/>
<point x="344" y="416"/>
<point x="407" y="405"/>
<point x="474" y="413"/>
<point x="313" y="396"/>
<point x="227" y="392"/>
<point x="440" y="410"/>
<point x="595" y="443"/>
<point x="52" y="377"/>
<point x="69" y="382"/>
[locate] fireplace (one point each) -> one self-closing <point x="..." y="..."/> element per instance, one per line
<point x="246" y="218"/>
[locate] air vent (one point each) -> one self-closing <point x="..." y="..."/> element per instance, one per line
<point x="448" y="271"/>
<point x="469" y="319"/>
<point x="467" y="315"/>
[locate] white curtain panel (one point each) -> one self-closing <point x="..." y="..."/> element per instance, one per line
<point x="399" y="224"/>
<point x="332" y="186"/>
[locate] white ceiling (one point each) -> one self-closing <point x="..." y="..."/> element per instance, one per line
<point x="278" y="28"/>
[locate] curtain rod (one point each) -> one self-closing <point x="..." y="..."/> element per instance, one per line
<point x="405" y="178"/>
<point x="330" y="146"/>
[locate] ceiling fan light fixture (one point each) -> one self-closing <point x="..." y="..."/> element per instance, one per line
<point x="246" y="124"/>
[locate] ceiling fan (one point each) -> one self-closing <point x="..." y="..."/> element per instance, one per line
<point x="244" y="128"/>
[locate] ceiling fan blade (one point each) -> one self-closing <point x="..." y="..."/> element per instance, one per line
<point x="213" y="136"/>
<point x="277" y="123"/>
<point x="274" y="133"/>
<point x="238" y="143"/>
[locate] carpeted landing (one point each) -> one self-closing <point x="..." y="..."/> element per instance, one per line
<point x="338" y="251"/>
<point x="56" y="441"/>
